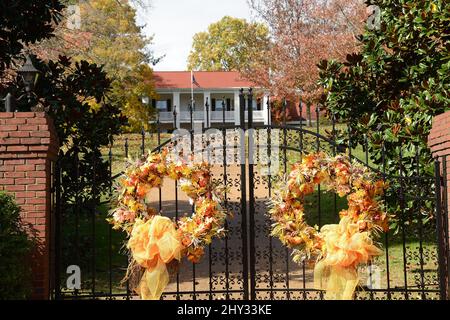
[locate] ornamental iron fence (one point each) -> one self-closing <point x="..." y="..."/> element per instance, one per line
<point x="248" y="263"/>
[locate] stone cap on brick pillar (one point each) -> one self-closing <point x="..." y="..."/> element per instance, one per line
<point x="27" y="135"/>
<point x="439" y="138"/>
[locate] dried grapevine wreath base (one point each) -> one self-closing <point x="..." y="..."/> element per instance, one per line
<point x="156" y="243"/>
<point x="338" y="249"/>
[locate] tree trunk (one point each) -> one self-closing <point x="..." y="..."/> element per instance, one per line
<point x="308" y="113"/>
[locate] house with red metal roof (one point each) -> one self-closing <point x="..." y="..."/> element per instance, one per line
<point x="213" y="96"/>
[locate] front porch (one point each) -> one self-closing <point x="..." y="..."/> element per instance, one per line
<point x="209" y="107"/>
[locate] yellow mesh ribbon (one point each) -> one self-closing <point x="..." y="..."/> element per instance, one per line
<point x="338" y="283"/>
<point x="153" y="282"/>
<point x="345" y="248"/>
<point x="153" y="244"/>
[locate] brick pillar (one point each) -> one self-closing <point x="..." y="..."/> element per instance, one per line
<point x="28" y="146"/>
<point x="439" y="144"/>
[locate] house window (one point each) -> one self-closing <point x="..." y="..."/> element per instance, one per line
<point x="255" y="107"/>
<point x="218" y="104"/>
<point x="161" y="105"/>
<point x="230" y="105"/>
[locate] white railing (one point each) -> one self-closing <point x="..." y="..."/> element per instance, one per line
<point x="185" y="116"/>
<point x="217" y="116"/>
<point x="165" y="116"/>
<point x="258" y="115"/>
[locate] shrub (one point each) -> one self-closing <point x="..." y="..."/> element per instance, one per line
<point x="390" y="91"/>
<point x="15" y="247"/>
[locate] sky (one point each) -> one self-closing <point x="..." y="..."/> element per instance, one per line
<point x="173" y="23"/>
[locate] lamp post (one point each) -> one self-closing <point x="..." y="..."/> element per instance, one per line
<point x="146" y="101"/>
<point x="29" y="75"/>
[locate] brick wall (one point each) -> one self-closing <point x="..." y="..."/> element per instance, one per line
<point x="439" y="144"/>
<point x="28" y="146"/>
<point x="293" y="112"/>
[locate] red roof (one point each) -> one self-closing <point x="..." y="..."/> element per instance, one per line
<point x="204" y="80"/>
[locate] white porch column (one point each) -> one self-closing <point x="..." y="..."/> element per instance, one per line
<point x="207" y="97"/>
<point x="177" y="107"/>
<point x="264" y="109"/>
<point x="237" y="120"/>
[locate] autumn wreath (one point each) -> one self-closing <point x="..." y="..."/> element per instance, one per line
<point x="155" y="241"/>
<point x="338" y="249"/>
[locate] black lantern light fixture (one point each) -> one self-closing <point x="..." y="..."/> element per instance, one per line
<point x="28" y="75"/>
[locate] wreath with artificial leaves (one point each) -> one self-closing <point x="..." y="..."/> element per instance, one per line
<point x="155" y="242"/>
<point x="337" y="249"/>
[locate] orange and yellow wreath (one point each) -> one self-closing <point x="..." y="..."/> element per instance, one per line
<point x="155" y="241"/>
<point x="337" y="248"/>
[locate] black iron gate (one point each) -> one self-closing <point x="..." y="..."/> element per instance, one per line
<point x="248" y="263"/>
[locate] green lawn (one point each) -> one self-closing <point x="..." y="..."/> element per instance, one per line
<point x="134" y="140"/>
<point x="118" y="150"/>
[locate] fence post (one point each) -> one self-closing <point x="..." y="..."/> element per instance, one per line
<point x="242" y="160"/>
<point x="57" y="233"/>
<point x="439" y="144"/>
<point x="9" y="103"/>
<point x="251" y="194"/>
<point x="442" y="247"/>
<point x="28" y="149"/>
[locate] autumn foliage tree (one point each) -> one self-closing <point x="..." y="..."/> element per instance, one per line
<point x="229" y="44"/>
<point x="302" y="34"/>
<point x="68" y="90"/>
<point x="108" y="35"/>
